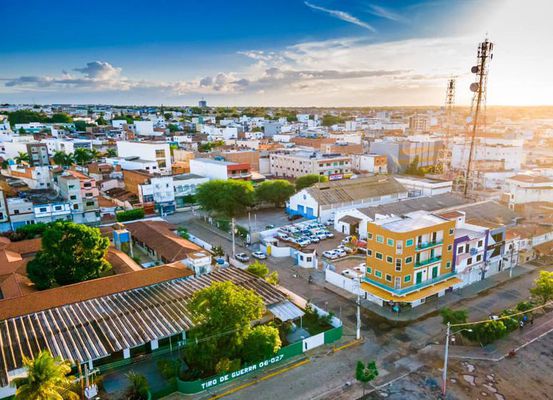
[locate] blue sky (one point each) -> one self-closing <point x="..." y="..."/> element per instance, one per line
<point x="288" y="52"/>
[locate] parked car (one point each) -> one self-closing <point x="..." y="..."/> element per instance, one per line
<point x="361" y="268"/>
<point x="350" y="274"/>
<point x="314" y="239"/>
<point x="294" y="217"/>
<point x="329" y="234"/>
<point x="242" y="257"/>
<point x="283" y="236"/>
<point x="347" y="239"/>
<point x="340" y="252"/>
<point x="270" y="226"/>
<point x="321" y="236"/>
<point x="259" y="255"/>
<point x="330" y="254"/>
<point x="345" y="248"/>
<point x="303" y="242"/>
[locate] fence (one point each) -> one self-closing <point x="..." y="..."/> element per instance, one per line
<point x="199" y="242"/>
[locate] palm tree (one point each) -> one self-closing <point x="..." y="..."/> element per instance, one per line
<point x="95" y="154"/>
<point x="46" y="379"/>
<point x="138" y="389"/>
<point x="82" y="156"/>
<point x="22" y="157"/>
<point x="111" y="152"/>
<point x="63" y="159"/>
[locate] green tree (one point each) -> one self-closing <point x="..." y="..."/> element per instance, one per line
<point x="130" y="215"/>
<point x="101" y="120"/>
<point x="82" y="156"/>
<point x="275" y="191"/>
<point x="138" y="387"/>
<point x="61" y="118"/>
<point x="487" y="332"/>
<point x="413" y="168"/>
<point x="309" y="180"/>
<point x="453" y="316"/>
<point x="183" y="232"/>
<point x="47" y="379"/>
<point x="70" y="253"/>
<point x="543" y="287"/>
<point x="365" y="373"/>
<point x="22" y="131"/>
<point x="22" y="157"/>
<point x="222" y="313"/>
<point x="80" y="126"/>
<point x="258" y="269"/>
<point x="95" y="154"/>
<point x="228" y="198"/>
<point x="63" y="159"/>
<point x="111" y="152"/>
<point x="173" y="128"/>
<point x="329" y="120"/>
<point x="218" y="251"/>
<point x="262" y="342"/>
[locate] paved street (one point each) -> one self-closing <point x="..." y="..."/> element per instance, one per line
<point x="395" y="345"/>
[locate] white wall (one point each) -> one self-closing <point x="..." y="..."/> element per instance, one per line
<point x="208" y="169"/>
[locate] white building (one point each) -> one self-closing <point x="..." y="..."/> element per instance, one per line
<point x="219" y="169"/>
<point x="372" y="163"/>
<point x="422" y="186"/>
<point x="148" y="151"/>
<point x="134" y="163"/>
<point x="524" y="189"/>
<point x="324" y="200"/>
<point x="296" y="164"/>
<point x="66" y="145"/>
<point x="490" y="153"/>
<point x="144" y="128"/>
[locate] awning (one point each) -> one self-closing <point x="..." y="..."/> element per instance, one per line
<point x="286" y="311"/>
<point x="410" y="297"/>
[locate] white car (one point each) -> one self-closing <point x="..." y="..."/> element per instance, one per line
<point x="330" y="254"/>
<point x="345" y="248"/>
<point x="329" y="234"/>
<point x="361" y="268"/>
<point x="347" y="239"/>
<point x="303" y="242"/>
<point x="283" y="236"/>
<point x="340" y="252"/>
<point x="259" y="255"/>
<point x="349" y="273"/>
<point x="242" y="257"/>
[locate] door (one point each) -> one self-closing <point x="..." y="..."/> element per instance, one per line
<point x="418" y="277"/>
<point x="309" y="212"/>
<point x="435" y="272"/>
<point x="301" y="210"/>
<point x="398" y="282"/>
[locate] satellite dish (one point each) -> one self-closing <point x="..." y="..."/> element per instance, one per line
<point x="469" y="120"/>
<point x="474" y="87"/>
<point x="475" y="69"/>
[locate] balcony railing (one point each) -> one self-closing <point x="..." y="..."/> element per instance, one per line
<point x="427" y="262"/>
<point x="412" y="288"/>
<point x="427" y="245"/>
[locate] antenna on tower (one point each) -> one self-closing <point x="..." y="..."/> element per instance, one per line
<point x="479" y="88"/>
<point x="444" y="156"/>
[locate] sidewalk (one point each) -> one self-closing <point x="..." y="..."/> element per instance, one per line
<point x="448" y="300"/>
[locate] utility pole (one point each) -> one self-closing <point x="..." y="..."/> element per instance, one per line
<point x="358" y="302"/>
<point x="446" y="354"/>
<point x="484" y="55"/>
<point x="233" y="229"/>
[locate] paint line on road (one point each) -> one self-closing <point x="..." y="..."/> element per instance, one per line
<point x="263" y="378"/>
<point x="347" y="345"/>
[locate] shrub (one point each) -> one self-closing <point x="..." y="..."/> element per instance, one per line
<point x="130" y="215"/>
<point x="168" y="368"/>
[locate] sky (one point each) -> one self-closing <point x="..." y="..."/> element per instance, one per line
<point x="272" y="53"/>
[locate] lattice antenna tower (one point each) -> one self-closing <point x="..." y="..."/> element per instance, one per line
<point x="444" y="156"/>
<point x="478" y="106"/>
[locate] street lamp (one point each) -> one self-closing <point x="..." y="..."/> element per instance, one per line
<point x="446" y="354"/>
<point x="357" y="286"/>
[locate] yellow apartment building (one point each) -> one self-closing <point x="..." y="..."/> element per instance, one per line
<point x="409" y="259"/>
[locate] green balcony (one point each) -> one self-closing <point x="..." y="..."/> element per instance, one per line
<point x="427" y="262"/>
<point x="428" y="245"/>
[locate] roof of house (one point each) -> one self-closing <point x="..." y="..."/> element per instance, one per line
<point x="488" y="213"/>
<point x="350" y="220"/>
<point x="159" y="236"/>
<point x="432" y="203"/>
<point x="97" y="326"/>
<point x="531" y="178"/>
<point x="349" y="190"/>
<point x="121" y="262"/>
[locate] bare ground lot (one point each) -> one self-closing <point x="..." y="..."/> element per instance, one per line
<point x="526" y="376"/>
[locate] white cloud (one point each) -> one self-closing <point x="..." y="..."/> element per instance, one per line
<point x="342" y="15"/>
<point x="385" y="13"/>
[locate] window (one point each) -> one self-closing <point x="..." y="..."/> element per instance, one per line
<point x="43" y="209"/>
<point x="408" y="260"/>
<point x="377" y="273"/>
<point x="73" y="197"/>
<point x="369" y="253"/>
<point x="398" y="264"/>
<point x="407" y="278"/>
<point x="448" y="265"/>
<point x="75" y="206"/>
<point x="89" y="203"/>
<point x="460" y="249"/>
<point x="479" y="258"/>
<point x="378" y="255"/>
<point x="369" y="270"/>
<point x="469" y="261"/>
<point x="160" y="153"/>
<point x="480" y="243"/>
<point x="390" y="242"/>
<point x="449" y="247"/>
<point x="409" y="242"/>
<point x="388" y="277"/>
<point x="379" y="239"/>
<point x="389" y="259"/>
<point x="451" y="231"/>
<point x="369" y="236"/>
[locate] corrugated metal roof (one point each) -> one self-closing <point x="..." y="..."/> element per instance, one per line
<point x="286" y="311"/>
